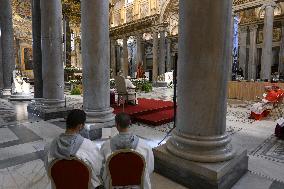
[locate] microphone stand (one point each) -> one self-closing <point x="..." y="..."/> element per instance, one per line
<point x="174" y="99"/>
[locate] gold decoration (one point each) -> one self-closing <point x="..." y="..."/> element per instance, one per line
<point x="276" y="35"/>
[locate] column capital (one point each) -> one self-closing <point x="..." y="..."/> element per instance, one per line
<point x="243" y="29"/>
<point x="268" y="4"/>
<point x="253" y="27"/>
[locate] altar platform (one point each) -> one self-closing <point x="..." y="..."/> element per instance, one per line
<point x="149" y="111"/>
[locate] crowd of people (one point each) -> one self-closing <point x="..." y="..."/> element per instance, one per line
<point x="73" y="144"/>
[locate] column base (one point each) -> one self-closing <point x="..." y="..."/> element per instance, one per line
<point x="191" y="174"/>
<point x="98" y="119"/>
<point x="48" y="109"/>
<point x="5" y="93"/>
<point x="21" y="97"/>
<point x="206" y="149"/>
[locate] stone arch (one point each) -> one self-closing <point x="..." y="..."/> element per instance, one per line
<point x="163" y="10"/>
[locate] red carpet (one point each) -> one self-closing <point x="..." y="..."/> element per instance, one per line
<point x="149" y="111"/>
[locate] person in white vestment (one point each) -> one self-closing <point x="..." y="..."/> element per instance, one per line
<point x="131" y="89"/>
<point x="129" y="84"/>
<point x="72" y="144"/>
<point x="126" y="140"/>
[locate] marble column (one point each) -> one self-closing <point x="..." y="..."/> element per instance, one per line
<point x="169" y="58"/>
<point x="8" y="58"/>
<point x="139" y="57"/>
<point x="95" y="57"/>
<point x="252" y="53"/>
<point x="155" y="57"/>
<point x="203" y="67"/>
<point x="125" y="63"/>
<point x="144" y="58"/>
<point x="113" y="57"/>
<point x="200" y="150"/>
<point x="281" y="55"/>
<point x="37" y="54"/>
<point x="267" y="56"/>
<point x="232" y="44"/>
<point x="52" y="63"/>
<point x="162" y="53"/>
<point x="1" y="65"/>
<point x="243" y="49"/>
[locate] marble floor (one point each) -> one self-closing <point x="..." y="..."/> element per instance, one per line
<point x="23" y="137"/>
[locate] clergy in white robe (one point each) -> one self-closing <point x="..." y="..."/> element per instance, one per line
<point x="72" y="144"/>
<point x="127" y="140"/>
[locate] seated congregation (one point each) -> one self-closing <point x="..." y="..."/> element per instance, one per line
<point x="73" y="161"/>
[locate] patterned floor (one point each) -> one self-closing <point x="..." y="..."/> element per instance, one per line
<point x="22" y="140"/>
<point x="271" y="149"/>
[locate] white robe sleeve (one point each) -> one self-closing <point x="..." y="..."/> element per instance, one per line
<point x="147" y="152"/>
<point x="90" y="154"/>
<point x="105" y="152"/>
<point x="144" y="149"/>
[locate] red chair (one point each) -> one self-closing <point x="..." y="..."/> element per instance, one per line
<point x="70" y="174"/>
<point x="126" y="168"/>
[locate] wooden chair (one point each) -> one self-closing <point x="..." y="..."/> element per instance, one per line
<point x="69" y="174"/>
<point x="121" y="90"/>
<point x="126" y="168"/>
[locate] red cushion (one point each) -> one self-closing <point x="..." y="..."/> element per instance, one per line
<point x="70" y="174"/>
<point x="126" y="169"/>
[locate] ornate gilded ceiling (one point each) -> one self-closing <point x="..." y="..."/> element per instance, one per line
<point x="22" y="13"/>
<point x="126" y="12"/>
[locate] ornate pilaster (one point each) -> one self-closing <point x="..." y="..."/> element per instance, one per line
<point x="252" y="52"/>
<point x="267" y="57"/>
<point x="122" y="15"/>
<point x="153" y="6"/>
<point x="136" y="10"/>
<point x="243" y="32"/>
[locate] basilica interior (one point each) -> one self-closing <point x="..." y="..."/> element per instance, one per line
<point x="207" y="91"/>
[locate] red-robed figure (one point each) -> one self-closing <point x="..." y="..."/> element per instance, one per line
<point x="140" y="71"/>
<point x="272" y="97"/>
